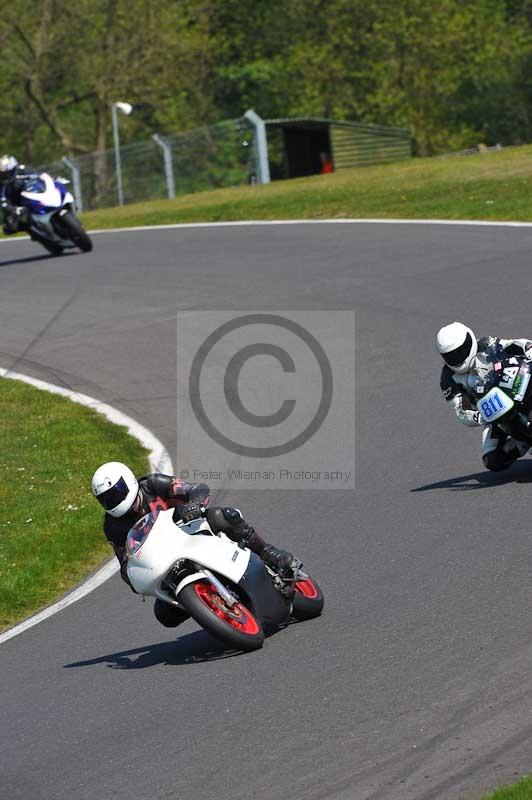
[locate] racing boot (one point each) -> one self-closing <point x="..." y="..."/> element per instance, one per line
<point x="280" y="561"/>
<point x="15" y="220"/>
<point x="503" y="457"/>
<point x="10" y="224"/>
<point x="513" y="450"/>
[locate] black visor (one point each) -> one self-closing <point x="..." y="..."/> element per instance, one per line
<point x="457" y="357"/>
<point x="114" y="496"/>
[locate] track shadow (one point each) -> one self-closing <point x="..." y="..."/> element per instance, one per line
<point x="31" y="259"/>
<point x="192" y="648"/>
<point x="521" y="472"/>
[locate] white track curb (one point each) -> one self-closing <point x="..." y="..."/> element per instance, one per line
<point x="159" y="462"/>
<point x="334" y="221"/>
<point x="261" y="223"/>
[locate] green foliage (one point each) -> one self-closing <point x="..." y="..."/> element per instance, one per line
<point x="455" y="72"/>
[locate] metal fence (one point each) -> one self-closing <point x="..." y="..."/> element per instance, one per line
<point x="475" y="150"/>
<point x="231" y="153"/>
<point x="205" y="158"/>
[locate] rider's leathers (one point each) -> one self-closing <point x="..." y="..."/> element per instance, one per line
<point x="499" y="450"/>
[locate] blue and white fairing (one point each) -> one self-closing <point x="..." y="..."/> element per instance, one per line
<point x="43" y="195"/>
<point x="48" y="201"/>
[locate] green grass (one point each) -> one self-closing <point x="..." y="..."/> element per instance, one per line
<point x="50" y="525"/>
<point x="519" y="791"/>
<point x="494" y="185"/>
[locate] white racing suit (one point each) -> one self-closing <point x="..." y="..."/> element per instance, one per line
<point x="499" y="451"/>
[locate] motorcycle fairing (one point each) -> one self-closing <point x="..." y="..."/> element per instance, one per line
<point x="168" y="543"/>
<point x="45" y="198"/>
<point x="51" y="197"/>
<point x="523" y="386"/>
<point x="268" y="604"/>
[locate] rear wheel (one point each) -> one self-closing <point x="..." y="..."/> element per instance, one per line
<point x="233" y="625"/>
<point x="308" y="599"/>
<point x="70" y="227"/>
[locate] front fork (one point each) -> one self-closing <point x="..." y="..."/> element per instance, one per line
<point x="222" y="590"/>
<point x="203" y="573"/>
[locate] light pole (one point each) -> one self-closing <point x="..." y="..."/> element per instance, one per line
<point x="125" y="108"/>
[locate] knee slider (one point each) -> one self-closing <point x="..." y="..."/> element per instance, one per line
<point x="168" y="615"/>
<point x="497" y="461"/>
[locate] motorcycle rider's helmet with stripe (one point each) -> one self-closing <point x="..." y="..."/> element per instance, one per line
<point x="8" y="168"/>
<point x="457" y="345"/>
<point x="115" y="487"/>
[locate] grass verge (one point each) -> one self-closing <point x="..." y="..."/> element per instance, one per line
<point x="519" y="791"/>
<point x="493" y="185"/>
<point x="50" y="525"/>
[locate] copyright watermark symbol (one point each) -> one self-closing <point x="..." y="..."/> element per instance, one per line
<point x="266" y="399"/>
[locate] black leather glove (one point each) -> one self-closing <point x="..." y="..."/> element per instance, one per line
<point x="191" y="511"/>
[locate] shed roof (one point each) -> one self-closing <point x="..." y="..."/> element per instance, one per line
<point x="319" y="121"/>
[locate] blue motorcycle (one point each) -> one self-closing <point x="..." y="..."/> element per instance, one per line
<point x="51" y="216"/>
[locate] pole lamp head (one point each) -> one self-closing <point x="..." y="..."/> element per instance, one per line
<point x="125" y="108"/>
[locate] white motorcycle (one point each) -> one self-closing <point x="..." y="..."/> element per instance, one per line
<point x="227" y="589"/>
<point x="51" y="217"/>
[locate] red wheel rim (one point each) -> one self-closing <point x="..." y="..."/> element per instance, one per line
<point x="307" y="588"/>
<point x="238" y="616"/>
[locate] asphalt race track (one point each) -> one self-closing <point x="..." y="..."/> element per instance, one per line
<point x="416" y="683"/>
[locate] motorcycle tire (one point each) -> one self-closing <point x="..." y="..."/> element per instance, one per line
<point x="308" y="600"/>
<point x="74" y="230"/>
<point x="235" y="626"/>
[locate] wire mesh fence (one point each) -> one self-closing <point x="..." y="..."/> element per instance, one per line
<point x="205" y="158"/>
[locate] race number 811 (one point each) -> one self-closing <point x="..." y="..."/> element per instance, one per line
<point x="494" y="405"/>
<point x="491" y="406"/>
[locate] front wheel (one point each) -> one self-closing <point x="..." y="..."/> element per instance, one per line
<point x="308" y="599"/>
<point x="70" y="227"/>
<point x="233" y="625"/>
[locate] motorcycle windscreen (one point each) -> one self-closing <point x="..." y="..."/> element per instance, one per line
<point x="36" y="185"/>
<point x="140" y="532"/>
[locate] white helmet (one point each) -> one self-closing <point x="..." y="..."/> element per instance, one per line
<point x="8" y="167"/>
<point x="115" y="487"/>
<point x="458" y="346"/>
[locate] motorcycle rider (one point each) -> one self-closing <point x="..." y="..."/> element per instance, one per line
<point x="13" y="180"/>
<point x="468" y="360"/>
<point x="126" y="500"/>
